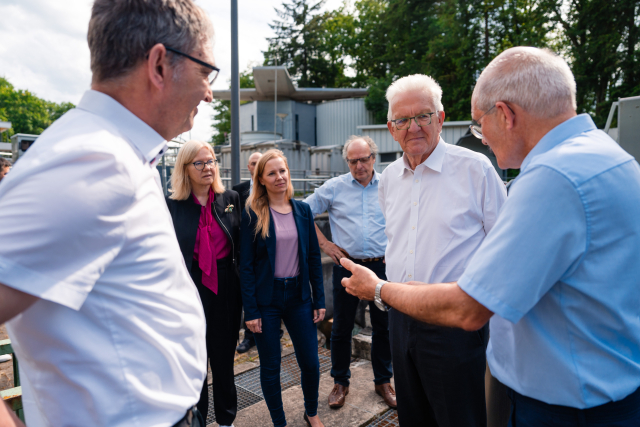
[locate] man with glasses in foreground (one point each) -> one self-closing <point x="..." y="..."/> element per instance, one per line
<point x="102" y="313"/>
<point x="558" y="276"/>
<point x="357" y="230"/>
<point x="439" y="202"/>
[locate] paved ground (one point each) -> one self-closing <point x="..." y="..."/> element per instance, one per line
<point x="6" y="368"/>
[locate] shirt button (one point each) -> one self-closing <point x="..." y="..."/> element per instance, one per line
<point x="413" y="227"/>
<point x="417" y="180"/>
<point x="411" y="251"/>
<point x="410" y="276"/>
<point x="415" y="203"/>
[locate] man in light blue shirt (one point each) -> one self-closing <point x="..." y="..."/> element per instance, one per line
<point x="357" y="229"/>
<point x="559" y="273"/>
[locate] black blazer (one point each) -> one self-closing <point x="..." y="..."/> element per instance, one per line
<point x="243" y="190"/>
<point x="258" y="259"/>
<point x="186" y="217"/>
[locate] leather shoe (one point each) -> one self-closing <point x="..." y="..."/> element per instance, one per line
<point x="337" y="396"/>
<point x="245" y="346"/>
<point x="388" y="394"/>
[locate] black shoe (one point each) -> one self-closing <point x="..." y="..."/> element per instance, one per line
<point x="245" y="346"/>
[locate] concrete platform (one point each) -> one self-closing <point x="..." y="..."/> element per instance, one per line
<point x="362" y="405"/>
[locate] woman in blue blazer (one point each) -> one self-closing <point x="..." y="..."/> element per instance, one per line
<point x="279" y="258"/>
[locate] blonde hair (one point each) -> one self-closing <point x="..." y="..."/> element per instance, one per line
<point x="258" y="200"/>
<point x="180" y="182"/>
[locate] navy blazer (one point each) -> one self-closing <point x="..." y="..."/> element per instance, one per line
<point x="258" y="260"/>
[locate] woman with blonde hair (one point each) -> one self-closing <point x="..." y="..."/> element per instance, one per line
<point x="280" y="257"/>
<point x="206" y="218"/>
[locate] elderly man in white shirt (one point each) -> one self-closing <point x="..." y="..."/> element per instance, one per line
<point x="439" y="202"/>
<point x="103" y="316"/>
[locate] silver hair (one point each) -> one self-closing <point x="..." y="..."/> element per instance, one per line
<point x="121" y="32"/>
<point x="372" y="145"/>
<point x="537" y="80"/>
<point x="415" y="83"/>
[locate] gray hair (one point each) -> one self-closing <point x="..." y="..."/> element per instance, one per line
<point x="4" y="163"/>
<point x="415" y="83"/>
<point x="537" y="80"/>
<point x="372" y="145"/>
<point x="121" y="32"/>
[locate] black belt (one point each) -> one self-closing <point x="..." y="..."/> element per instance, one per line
<point x="192" y="418"/>
<point x="365" y="260"/>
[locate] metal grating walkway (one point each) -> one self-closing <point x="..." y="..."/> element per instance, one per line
<point x="248" y="383"/>
<point x="388" y="419"/>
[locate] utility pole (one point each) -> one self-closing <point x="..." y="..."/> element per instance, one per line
<point x="235" y="97"/>
<point x="275" y="102"/>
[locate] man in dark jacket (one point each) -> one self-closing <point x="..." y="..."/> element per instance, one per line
<point x="244" y="189"/>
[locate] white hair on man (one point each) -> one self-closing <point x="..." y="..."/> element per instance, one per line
<point x="365" y="138"/>
<point x="537" y="80"/>
<point x="415" y="83"/>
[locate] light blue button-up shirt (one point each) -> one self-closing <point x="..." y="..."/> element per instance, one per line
<point x="357" y="223"/>
<point x="561" y="271"/>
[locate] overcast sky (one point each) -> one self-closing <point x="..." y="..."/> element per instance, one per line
<point x="43" y="46"/>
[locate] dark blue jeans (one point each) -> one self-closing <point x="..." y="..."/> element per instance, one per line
<point x="344" y="314"/>
<point x="528" y="412"/>
<point x="287" y="304"/>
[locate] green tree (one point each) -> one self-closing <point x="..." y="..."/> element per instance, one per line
<point x="222" y="110"/>
<point x="26" y="112"/>
<point x="310" y="43"/>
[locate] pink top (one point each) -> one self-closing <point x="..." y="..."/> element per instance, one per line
<point x="287" y="263"/>
<point x="211" y="244"/>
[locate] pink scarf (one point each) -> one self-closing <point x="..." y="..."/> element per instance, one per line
<point x="211" y="244"/>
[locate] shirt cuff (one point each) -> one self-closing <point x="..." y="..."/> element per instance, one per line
<point x="489" y="300"/>
<point x="33" y="283"/>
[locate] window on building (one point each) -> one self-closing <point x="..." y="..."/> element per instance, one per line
<point x="388" y="157"/>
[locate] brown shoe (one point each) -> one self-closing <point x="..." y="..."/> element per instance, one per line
<point x="388" y="394"/>
<point x="337" y="396"/>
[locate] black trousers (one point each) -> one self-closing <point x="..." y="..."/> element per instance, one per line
<point x="439" y="373"/>
<point x="222" y="312"/>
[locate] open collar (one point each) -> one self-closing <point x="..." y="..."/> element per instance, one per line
<point x="433" y="162"/>
<point x="149" y="143"/>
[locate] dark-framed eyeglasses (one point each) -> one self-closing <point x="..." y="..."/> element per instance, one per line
<point x="476" y="127"/>
<point x="201" y="165"/>
<point x="421" y="120"/>
<point x="363" y="160"/>
<point x="214" y="70"/>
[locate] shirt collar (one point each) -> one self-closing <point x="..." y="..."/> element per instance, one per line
<point x="562" y="132"/>
<point x="376" y="178"/>
<point x="147" y="141"/>
<point x="433" y="162"/>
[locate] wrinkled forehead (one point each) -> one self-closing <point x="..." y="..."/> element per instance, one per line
<point x="411" y="103"/>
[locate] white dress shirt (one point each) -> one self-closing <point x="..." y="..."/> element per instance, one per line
<point x="117" y="337"/>
<point x="438" y="215"/>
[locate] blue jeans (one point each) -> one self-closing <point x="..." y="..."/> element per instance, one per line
<point x="287" y="304"/>
<point x="528" y="412"/>
<point x="344" y="314"/>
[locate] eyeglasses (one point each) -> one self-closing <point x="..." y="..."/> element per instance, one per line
<point x="214" y="70"/>
<point x="200" y="165"/>
<point x="476" y="127"/>
<point x="363" y="160"/>
<point x="421" y="120"/>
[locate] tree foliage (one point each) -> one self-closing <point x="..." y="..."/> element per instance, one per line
<point x="26" y="112"/>
<point x="376" y="42"/>
<point x="222" y="111"/>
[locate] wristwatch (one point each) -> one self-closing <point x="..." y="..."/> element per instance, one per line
<point x="378" y="300"/>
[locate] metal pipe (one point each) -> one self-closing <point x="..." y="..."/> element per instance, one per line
<point x="235" y="97"/>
